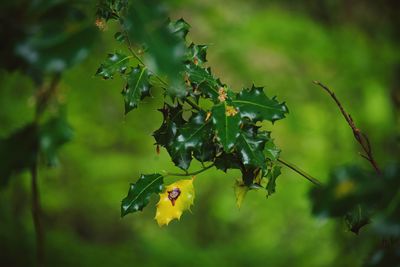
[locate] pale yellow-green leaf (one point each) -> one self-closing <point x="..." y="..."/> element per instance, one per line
<point x="240" y="192"/>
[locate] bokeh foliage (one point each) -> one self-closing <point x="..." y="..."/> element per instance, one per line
<point x="284" y="49"/>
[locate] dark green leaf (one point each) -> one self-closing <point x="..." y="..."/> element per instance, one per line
<point x="140" y="192"/>
<point x="169" y="128"/>
<point x="249" y="175"/>
<point x="138" y="87"/>
<point x="191" y="137"/>
<point x="119" y="36"/>
<point x="197" y="54"/>
<point x="357" y="218"/>
<point x="271" y="152"/>
<point x="179" y="28"/>
<point x="202" y="80"/>
<point x="108" y="9"/>
<point x="53" y="134"/>
<point x="226" y="125"/>
<point x="115" y="63"/>
<point x="227" y="161"/>
<point x="250" y="146"/>
<point x="205" y="152"/>
<point x="164" y="48"/>
<point x="255" y="105"/>
<point x="272" y="174"/>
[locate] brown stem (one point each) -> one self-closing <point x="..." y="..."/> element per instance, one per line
<point x="361" y="138"/>
<point x="36" y="215"/>
<point x="44" y="96"/>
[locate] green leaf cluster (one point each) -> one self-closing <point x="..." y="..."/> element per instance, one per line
<point x="356" y="195"/>
<point x="226" y="133"/>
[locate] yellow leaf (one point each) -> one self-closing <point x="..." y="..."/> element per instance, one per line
<point x="176" y="198"/>
<point x="240" y="192"/>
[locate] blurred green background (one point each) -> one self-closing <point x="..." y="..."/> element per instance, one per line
<point x="282" y="45"/>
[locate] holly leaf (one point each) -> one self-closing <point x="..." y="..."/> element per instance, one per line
<point x="202" y="79"/>
<point x="165" y="48"/>
<point x="271" y="151"/>
<point x="357" y="219"/>
<point x="255" y="105"/>
<point x="250" y="146"/>
<point x="169" y="128"/>
<point x="115" y="63"/>
<point x="226" y="123"/>
<point x="227" y="161"/>
<point x="179" y="28"/>
<point x="140" y="192"/>
<point x="176" y="198"/>
<point x="107" y="9"/>
<point x="53" y="134"/>
<point x="191" y="137"/>
<point x="206" y="152"/>
<point x="250" y="176"/>
<point x="197" y="54"/>
<point x="272" y="175"/>
<point x="137" y="88"/>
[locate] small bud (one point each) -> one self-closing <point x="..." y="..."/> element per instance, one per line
<point x="101" y="24"/>
<point x="222" y="94"/>
<point x="230" y="111"/>
<point x="186" y="79"/>
<point x="208" y="116"/>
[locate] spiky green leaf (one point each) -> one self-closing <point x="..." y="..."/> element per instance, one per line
<point x="272" y="175"/>
<point x="138" y="87"/>
<point x="53" y="134"/>
<point x="197" y="54"/>
<point x="271" y="152"/>
<point x="201" y="79"/>
<point x="250" y="145"/>
<point x="255" y="105"/>
<point x="140" y="192"/>
<point x="114" y="64"/>
<point x="193" y="136"/>
<point x="226" y="125"/>
<point x="172" y="119"/>
<point x="179" y="27"/>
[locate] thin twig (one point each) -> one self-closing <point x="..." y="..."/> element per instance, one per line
<point x="44" y="96"/>
<point x="43" y="99"/>
<point x="361" y="138"/>
<point x="36" y="215"/>
<point x="301" y="172"/>
<point x="190" y="173"/>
